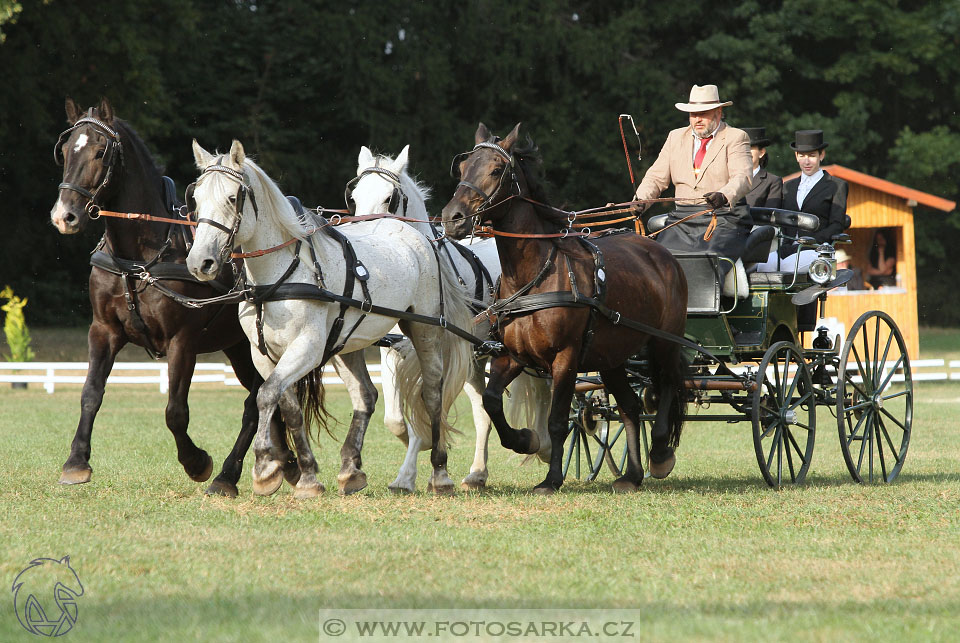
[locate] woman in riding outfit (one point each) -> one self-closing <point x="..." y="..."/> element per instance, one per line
<point x="766" y="190"/>
<point x="709" y="164"/>
<point x="815" y="192"/>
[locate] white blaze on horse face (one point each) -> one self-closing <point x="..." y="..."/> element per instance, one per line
<point x="81" y="141"/>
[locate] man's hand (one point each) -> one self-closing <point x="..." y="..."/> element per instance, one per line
<point x="716" y="200"/>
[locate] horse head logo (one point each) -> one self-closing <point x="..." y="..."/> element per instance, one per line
<point x="45" y="596"/>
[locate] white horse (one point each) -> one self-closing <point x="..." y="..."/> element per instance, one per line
<point x="384" y="185"/>
<point x="237" y="204"/>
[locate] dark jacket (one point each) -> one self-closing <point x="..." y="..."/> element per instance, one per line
<point x="827" y="200"/>
<point x="766" y="190"/>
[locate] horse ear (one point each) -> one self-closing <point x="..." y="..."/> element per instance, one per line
<point x="106" y="111"/>
<point x="400" y="165"/>
<point x="508" y="142"/>
<point x="237" y="155"/>
<point x="73" y="111"/>
<point x="483" y="134"/>
<point x="364" y="159"/>
<point x="201" y="156"/>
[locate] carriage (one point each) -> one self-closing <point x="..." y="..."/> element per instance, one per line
<point x="761" y="370"/>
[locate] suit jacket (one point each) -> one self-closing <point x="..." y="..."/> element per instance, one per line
<point x="766" y="190"/>
<point x="827" y="199"/>
<point x="726" y="168"/>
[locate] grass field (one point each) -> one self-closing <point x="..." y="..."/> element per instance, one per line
<point x="708" y="554"/>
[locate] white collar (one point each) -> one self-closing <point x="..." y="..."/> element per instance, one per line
<point x="756" y="170"/>
<point x="812" y="179"/>
<point x="712" y="134"/>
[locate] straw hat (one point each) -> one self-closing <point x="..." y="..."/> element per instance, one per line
<point x="703" y="98"/>
<point x="841" y="255"/>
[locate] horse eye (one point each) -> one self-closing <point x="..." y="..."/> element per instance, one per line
<point x="99" y="154"/>
<point x="497" y="172"/>
<point x="233" y="199"/>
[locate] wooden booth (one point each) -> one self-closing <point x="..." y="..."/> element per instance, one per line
<point x="877" y="207"/>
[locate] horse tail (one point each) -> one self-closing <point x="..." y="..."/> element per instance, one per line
<point x="311" y="394"/>
<point x="456" y="357"/>
<point x="672" y="372"/>
<point x="528" y="404"/>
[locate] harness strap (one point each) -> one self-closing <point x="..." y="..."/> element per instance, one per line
<point x="133" y="307"/>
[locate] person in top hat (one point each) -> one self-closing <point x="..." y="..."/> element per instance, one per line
<point x="815" y="192"/>
<point x="766" y="190"/>
<point x="708" y="162"/>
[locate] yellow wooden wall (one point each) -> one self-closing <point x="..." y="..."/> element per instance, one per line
<point x="870" y="209"/>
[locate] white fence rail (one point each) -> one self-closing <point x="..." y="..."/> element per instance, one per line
<point x="52" y="373"/>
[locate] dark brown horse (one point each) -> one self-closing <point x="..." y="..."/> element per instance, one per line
<point x="545" y="325"/>
<point x="107" y="167"/>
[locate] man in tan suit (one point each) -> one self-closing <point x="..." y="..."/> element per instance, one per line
<point x="710" y="166"/>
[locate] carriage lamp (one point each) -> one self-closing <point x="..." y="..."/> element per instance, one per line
<point x="824" y="267"/>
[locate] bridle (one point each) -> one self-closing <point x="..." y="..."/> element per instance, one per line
<point x="112" y="156"/>
<point x="396" y="198"/>
<point x="487" y="198"/>
<point x="242" y="191"/>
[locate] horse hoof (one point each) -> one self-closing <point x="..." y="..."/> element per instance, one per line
<point x="221" y="488"/>
<point x="204" y="475"/>
<point x="623" y="485"/>
<point x="267" y="478"/>
<point x="441" y="488"/>
<point x="291" y="472"/>
<point x="75" y="476"/>
<point x="308" y="491"/>
<point x="663" y="469"/>
<point x="544" y="490"/>
<point x="352" y="482"/>
<point x="475" y="481"/>
<point x="399" y="489"/>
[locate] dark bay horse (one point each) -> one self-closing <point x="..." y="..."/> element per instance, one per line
<point x="632" y="276"/>
<point x="106" y="166"/>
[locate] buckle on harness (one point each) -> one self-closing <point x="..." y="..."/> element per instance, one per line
<point x="490" y="347"/>
<point x="615" y="318"/>
<point x="366" y="306"/>
<point x="443" y="321"/>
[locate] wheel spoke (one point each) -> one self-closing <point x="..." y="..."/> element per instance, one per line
<point x="877" y="364"/>
<point x="862" y="392"/>
<point x="886" y="435"/>
<point x="776" y="380"/>
<point x="860" y="367"/>
<point x="883" y="462"/>
<point x="890" y="375"/>
<point x="864" y="439"/>
<point x="773" y="447"/>
<point x="773" y="423"/>
<point x="898" y="394"/>
<point x="793" y="386"/>
<point x="886" y="350"/>
<point x="894" y="420"/>
<point x="803" y="399"/>
<point x="853" y="431"/>
<point x="793" y="473"/>
<point x="803" y="426"/>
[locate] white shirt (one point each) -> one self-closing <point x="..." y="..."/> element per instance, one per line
<point x="806" y="184"/>
<point x="756" y="170"/>
<point x="698" y="141"/>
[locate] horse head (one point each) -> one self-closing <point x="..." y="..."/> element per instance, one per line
<point x="219" y="198"/>
<point x="485" y="175"/>
<point x="90" y="152"/>
<point x="379" y="185"/>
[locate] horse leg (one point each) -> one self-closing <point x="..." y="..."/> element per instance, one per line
<point x="629" y="406"/>
<point x="225" y="484"/>
<point x="392" y="408"/>
<point x="104" y="344"/>
<point x="504" y="370"/>
<point x="668" y="371"/>
<point x="352" y="369"/>
<point x="307" y="486"/>
<point x="564" y="371"/>
<point x="269" y="446"/>
<point x="406" y="481"/>
<point x="181" y="361"/>
<point x="474" y="387"/>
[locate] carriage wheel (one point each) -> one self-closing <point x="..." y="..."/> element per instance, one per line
<point x="874" y="399"/>
<point x="593" y="443"/>
<point x="784" y="415"/>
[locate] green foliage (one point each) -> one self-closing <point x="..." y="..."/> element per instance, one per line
<point x="8" y="15"/>
<point x="15" y="327"/>
<point x="303" y="84"/>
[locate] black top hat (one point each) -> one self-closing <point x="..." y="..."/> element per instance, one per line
<point x="758" y="136"/>
<point x="808" y="140"/>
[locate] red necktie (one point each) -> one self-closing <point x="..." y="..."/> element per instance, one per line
<point x="698" y="159"/>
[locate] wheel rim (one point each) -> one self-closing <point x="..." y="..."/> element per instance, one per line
<point x="784" y="416"/>
<point x="594" y="443"/>
<point x="875" y="399"/>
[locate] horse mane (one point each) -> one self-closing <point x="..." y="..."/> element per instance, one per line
<point x="384" y="160"/>
<point x="528" y="157"/>
<point x="133" y="143"/>
<point x="272" y="203"/>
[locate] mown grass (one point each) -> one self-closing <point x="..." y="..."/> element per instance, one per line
<point x="708" y="554"/>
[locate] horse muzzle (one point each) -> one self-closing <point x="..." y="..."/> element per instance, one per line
<point x="65" y="219"/>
